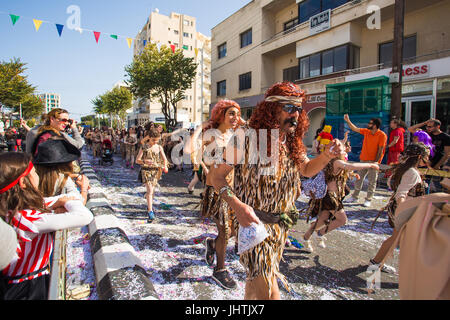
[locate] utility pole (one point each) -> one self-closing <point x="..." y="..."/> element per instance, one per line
<point x="397" y="59"/>
<point x="201" y="101"/>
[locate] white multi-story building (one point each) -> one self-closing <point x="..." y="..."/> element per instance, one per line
<point x="180" y="31"/>
<point x="339" y="52"/>
<point x="51" y="101"/>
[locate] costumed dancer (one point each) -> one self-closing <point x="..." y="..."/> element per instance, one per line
<point x="153" y="161"/>
<point x="34" y="219"/>
<point x="97" y="139"/>
<point x="329" y="210"/>
<point x="265" y="192"/>
<point x="225" y="118"/>
<point x="130" y="149"/>
<point x="405" y="182"/>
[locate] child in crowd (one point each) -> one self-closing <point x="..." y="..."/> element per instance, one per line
<point x="34" y="219"/>
<point x="54" y="165"/>
<point x="329" y="210"/>
<point x="152" y="160"/>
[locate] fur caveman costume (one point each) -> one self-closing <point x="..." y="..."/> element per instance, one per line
<point x="276" y="193"/>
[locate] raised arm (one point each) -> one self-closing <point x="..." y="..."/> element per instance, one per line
<point x="191" y="144"/>
<point x="350" y="124"/>
<point x="309" y="168"/>
<point x="416" y="127"/>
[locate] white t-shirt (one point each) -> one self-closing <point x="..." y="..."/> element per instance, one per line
<point x="410" y="178"/>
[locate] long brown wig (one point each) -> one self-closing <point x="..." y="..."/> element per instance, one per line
<point x="49" y="175"/>
<point x="410" y="159"/>
<point x="265" y="116"/>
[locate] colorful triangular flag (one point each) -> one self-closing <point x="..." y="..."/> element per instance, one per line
<point x="129" y="41"/>
<point x="196" y="51"/>
<point x="96" y="35"/>
<point x="59" y="27"/>
<point x="37" y="24"/>
<point x="186" y="47"/>
<point x="145" y="43"/>
<point x="113" y="36"/>
<point x="14" y="18"/>
<point x="172" y="46"/>
<point x="158" y="45"/>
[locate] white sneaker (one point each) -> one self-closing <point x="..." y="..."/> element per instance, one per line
<point x="350" y="200"/>
<point x="385" y="268"/>
<point x="308" y="246"/>
<point x="367" y="203"/>
<point x="320" y="240"/>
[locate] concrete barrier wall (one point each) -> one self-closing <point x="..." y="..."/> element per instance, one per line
<point x="119" y="272"/>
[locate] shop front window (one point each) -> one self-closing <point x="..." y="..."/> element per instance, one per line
<point x="443" y="103"/>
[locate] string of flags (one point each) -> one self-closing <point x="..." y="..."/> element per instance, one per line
<point x="60" y="27"/>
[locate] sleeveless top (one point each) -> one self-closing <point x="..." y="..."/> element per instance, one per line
<point x="155" y="157"/>
<point x="263" y="187"/>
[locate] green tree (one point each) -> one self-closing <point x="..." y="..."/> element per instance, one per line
<point x="15" y="89"/>
<point x="117" y="101"/>
<point x="32" y="107"/>
<point x="161" y="75"/>
<point x="114" y="102"/>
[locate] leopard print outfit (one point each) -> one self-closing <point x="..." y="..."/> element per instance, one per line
<point x="333" y="200"/>
<point x="151" y="173"/>
<point x="212" y="206"/>
<point x="274" y="193"/>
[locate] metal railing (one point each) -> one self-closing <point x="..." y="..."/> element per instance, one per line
<point x="57" y="287"/>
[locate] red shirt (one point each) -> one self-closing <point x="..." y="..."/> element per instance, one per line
<point x="399" y="146"/>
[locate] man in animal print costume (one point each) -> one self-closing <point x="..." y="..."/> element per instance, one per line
<point x="266" y="190"/>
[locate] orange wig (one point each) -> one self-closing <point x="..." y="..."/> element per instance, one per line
<point x="218" y="113"/>
<point x="266" y="114"/>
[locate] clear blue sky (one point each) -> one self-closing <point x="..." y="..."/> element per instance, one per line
<point x="75" y="66"/>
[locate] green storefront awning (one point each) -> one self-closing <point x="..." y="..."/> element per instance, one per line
<point x="359" y="97"/>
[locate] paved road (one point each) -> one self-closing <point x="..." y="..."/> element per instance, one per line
<point x="172" y="253"/>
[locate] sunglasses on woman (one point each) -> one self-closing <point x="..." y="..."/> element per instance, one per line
<point x="65" y="120"/>
<point x="290" y="108"/>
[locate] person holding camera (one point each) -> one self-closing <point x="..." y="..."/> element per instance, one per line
<point x="56" y="124"/>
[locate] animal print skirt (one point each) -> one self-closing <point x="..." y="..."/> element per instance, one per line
<point x="217" y="209"/>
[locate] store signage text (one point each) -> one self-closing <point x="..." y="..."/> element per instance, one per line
<point x="317" y="98"/>
<point x="416" y="71"/>
<point x="320" y="22"/>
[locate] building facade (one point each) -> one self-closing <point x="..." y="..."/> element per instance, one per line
<point x="51" y="101"/>
<point x="178" y="30"/>
<point x="340" y="52"/>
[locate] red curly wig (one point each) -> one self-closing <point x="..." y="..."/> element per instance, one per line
<point x="265" y="116"/>
<point x="218" y="113"/>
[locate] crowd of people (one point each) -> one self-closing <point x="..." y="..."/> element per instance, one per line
<point x="42" y="190"/>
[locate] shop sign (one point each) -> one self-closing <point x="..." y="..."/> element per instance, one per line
<point x="318" y="98"/>
<point x="416" y="71"/>
<point x="320" y="22"/>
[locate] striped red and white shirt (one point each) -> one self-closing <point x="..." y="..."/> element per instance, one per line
<point x="35" y="234"/>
